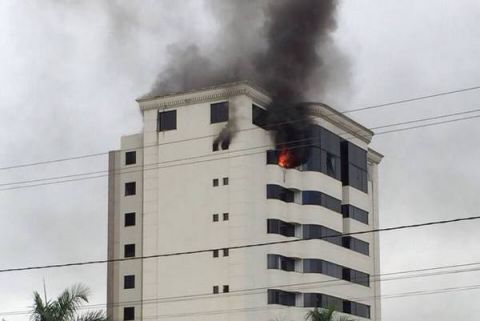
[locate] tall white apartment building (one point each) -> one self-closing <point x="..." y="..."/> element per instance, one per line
<point x="172" y="190"/>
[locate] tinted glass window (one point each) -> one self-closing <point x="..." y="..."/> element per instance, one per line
<point x="355" y="213"/>
<point x="129" y="219"/>
<point x="128" y="313"/>
<point x="130" y="158"/>
<point x="356" y="245"/>
<point x="129" y="282"/>
<point x="280" y="227"/>
<point x="259" y="117"/>
<point x="129" y="250"/>
<point x="280" y="193"/>
<point x="130" y="188"/>
<point x="272" y="261"/>
<point x="167" y="120"/>
<point x="318" y="198"/>
<point x="219" y="112"/>
<point x="287" y="264"/>
<point x="354" y="166"/>
<point x="281" y="297"/>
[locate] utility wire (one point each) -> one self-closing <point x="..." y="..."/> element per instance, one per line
<point x="96" y="174"/>
<point x="399" y="275"/>
<point x="445" y="93"/>
<point x="385" y="229"/>
<point x="209" y="136"/>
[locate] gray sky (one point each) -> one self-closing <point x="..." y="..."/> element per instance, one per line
<point x="70" y="73"/>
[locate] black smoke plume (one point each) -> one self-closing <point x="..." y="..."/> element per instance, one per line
<point x="274" y="44"/>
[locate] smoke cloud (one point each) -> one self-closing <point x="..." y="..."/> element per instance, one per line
<point x="274" y="44"/>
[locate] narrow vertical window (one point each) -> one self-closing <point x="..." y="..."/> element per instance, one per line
<point x="129" y="250"/>
<point x="215" y="253"/>
<point x="215" y="217"/>
<point x="225" y="252"/>
<point x="215" y="289"/>
<point x="226" y="289"/>
<point x="225" y="181"/>
<point x="225" y="216"/>
<point x="128" y="313"/>
<point x="215" y="182"/>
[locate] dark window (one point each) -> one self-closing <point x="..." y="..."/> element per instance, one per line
<point x="355" y="213"/>
<point x="313" y="162"/>
<point x="130" y="219"/>
<point x="259" y="117"/>
<point x="354" y="166"/>
<point x="167" y="120"/>
<point x="356" y="245"/>
<point x="215" y="182"/>
<point x="226" y="289"/>
<point x="129" y="250"/>
<point x="225" y="181"/>
<point x="331" y="165"/>
<point x="215" y="217"/>
<point x="311" y="231"/>
<point x="225" y="145"/>
<point x="356" y="277"/>
<point x="130" y="188"/>
<point x="215" y="289"/>
<point x="225" y="216"/>
<point x="129" y="282"/>
<point x="128" y="313"/>
<point x="358" y="309"/>
<point x="225" y="252"/>
<point x="215" y="146"/>
<point x="280" y="227"/>
<point x="272" y="157"/>
<point x="130" y="158"/>
<point x="281" y="297"/>
<point x="280" y="262"/>
<point x="272" y="261"/>
<point x="318" y="198"/>
<point x="280" y="193"/>
<point x="215" y="253"/>
<point x="318" y="300"/>
<point x="219" y="112"/>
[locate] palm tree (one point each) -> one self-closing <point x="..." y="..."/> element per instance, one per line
<point x="325" y="315"/>
<point x="65" y="307"/>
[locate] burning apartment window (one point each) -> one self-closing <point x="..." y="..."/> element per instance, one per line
<point x="129" y="219"/>
<point x="219" y="112"/>
<point x="128" y="313"/>
<point x="129" y="282"/>
<point x="215" y="217"/>
<point x="130" y="158"/>
<point x="167" y="120"/>
<point x="259" y="117"/>
<point x="130" y="188"/>
<point x="129" y="250"/>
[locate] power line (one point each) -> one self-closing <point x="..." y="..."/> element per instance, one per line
<point x="210" y="136"/>
<point x="304" y="285"/>
<point x="128" y="170"/>
<point x="402" y="101"/>
<point x="385" y="229"/>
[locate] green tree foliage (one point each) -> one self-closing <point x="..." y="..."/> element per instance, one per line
<point x="65" y="307"/>
<point x="325" y="315"/>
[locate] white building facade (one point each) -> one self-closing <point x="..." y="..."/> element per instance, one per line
<point x="172" y="190"/>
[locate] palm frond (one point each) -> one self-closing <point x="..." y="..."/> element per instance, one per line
<point x="92" y="316"/>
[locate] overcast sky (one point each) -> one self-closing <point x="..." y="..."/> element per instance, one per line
<point x="70" y="73"/>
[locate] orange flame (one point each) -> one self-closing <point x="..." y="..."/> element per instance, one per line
<point x="286" y="159"/>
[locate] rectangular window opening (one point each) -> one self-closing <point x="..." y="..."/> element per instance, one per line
<point x="167" y="120"/>
<point x="128" y="313"/>
<point x="130" y="188"/>
<point x="130" y="158"/>
<point x="219" y="112"/>
<point x="129" y="282"/>
<point x="130" y="219"/>
<point x="129" y="250"/>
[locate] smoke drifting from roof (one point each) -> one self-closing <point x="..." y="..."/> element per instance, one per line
<point x="272" y="43"/>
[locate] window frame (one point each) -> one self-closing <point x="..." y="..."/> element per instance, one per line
<point x="162" y="123"/>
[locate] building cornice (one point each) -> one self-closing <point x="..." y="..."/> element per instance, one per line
<point x="205" y="95"/>
<point x="374" y="156"/>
